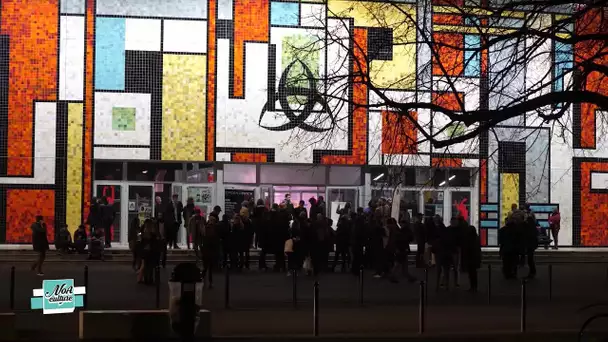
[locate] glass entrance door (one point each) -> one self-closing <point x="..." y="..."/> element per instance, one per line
<point x="141" y="203"/>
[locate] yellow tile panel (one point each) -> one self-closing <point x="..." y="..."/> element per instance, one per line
<point x="184" y="113"/>
<point x="399" y="73"/>
<point x="509" y="193"/>
<point x="74" y="167"/>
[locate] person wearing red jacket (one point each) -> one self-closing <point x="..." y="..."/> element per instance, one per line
<point x="554" y="225"/>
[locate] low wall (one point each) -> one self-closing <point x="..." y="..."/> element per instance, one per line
<point x="134" y="324"/>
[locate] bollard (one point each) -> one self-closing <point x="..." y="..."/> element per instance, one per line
<point x="227" y="287"/>
<point x="157" y="276"/>
<point x="421" y="307"/>
<point x="523" y="307"/>
<point x="315" y="310"/>
<point x="550" y="282"/>
<point x="361" y="286"/>
<point x="85" y="300"/>
<point x="12" y="288"/>
<point x="489" y="284"/>
<point x="295" y="288"/>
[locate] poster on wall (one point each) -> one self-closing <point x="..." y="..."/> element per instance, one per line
<point x="461" y="204"/>
<point x="233" y="200"/>
<point x="202" y="198"/>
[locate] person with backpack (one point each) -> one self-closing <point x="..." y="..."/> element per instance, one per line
<point x="210" y="249"/>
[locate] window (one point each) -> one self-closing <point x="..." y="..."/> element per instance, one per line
<point x="155" y="172"/>
<point x="108" y="171"/>
<point x="459" y="177"/>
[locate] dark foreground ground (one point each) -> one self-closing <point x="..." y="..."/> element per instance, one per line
<point x="261" y="303"/>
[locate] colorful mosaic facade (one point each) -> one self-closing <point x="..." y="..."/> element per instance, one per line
<point x="211" y="80"/>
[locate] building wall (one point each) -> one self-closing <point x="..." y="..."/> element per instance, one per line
<point x="191" y="80"/>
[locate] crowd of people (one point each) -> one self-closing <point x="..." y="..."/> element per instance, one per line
<point x="302" y="239"/>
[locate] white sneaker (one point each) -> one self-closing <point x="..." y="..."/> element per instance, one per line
<point x="377" y="276"/>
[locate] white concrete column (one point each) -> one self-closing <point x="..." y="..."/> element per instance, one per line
<point x="367" y="190"/>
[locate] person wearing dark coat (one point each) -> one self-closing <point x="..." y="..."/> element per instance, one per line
<point x="530" y="240"/>
<point x="187" y="213"/>
<point x="343" y="239"/>
<point x="151" y="251"/>
<point x="322" y="244"/>
<point x="40" y="243"/>
<point x="420" y="237"/>
<point x="225" y="235"/>
<point x="80" y="239"/>
<point x="300" y="209"/>
<point x="134" y="235"/>
<point x="173" y="220"/>
<point x="280" y="233"/>
<point x="358" y="240"/>
<point x="314" y="209"/>
<point x="508" y="241"/>
<point x="94" y="218"/>
<point x="471" y="255"/>
<point x="261" y="227"/>
<point x="446" y="250"/>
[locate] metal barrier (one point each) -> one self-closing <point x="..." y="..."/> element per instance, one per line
<point x="315" y="310"/>
<point x="157" y="277"/>
<point x="85" y="300"/>
<point x="524" y="307"/>
<point x="227" y="287"/>
<point x="12" y="289"/>
<point x="421" y="308"/>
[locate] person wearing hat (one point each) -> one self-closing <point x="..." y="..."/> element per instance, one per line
<point x="216" y="212"/>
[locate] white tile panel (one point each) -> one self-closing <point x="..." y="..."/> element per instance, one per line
<point x="142" y="34"/>
<point x="71" y="58"/>
<point x="185" y="36"/>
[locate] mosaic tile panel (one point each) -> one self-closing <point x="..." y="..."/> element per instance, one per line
<point x="89" y="102"/>
<point x="509" y="195"/>
<point x="249" y="157"/>
<point x="33" y="33"/>
<point x="123" y="118"/>
<point x="446" y="162"/>
<point x="184" y="107"/>
<point x="593" y="207"/>
<point x="358" y="154"/>
<point x="450" y="61"/>
<point x="74" y="166"/>
<point x="250" y="24"/>
<point x="22" y="206"/>
<point x="399" y="134"/>
<point x="211" y="80"/>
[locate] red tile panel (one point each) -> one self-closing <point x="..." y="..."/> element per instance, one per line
<point x="32" y="30"/>
<point x="89" y="110"/>
<point x="399" y="134"/>
<point x="446" y="162"/>
<point x="22" y="206"/>
<point x="484" y="236"/>
<point x="359" y="120"/>
<point x="249" y="158"/>
<point x="483" y="180"/>
<point x="593" y="22"/>
<point x="594" y="207"/>
<point x="211" y="55"/>
<point x="450" y="49"/>
<point x="448" y="100"/>
<point x="447" y="19"/>
<point x="250" y="24"/>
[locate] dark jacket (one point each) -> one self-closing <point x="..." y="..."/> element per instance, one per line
<point x="39" y="237"/>
<point x="107" y="215"/>
<point x="261" y="225"/>
<point x="170" y="215"/>
<point x="471" y="249"/>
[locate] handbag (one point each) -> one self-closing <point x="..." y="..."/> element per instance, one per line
<point x="288" y="246"/>
<point x="307" y="264"/>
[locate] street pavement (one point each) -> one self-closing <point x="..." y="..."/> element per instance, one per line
<point x="262" y="303"/>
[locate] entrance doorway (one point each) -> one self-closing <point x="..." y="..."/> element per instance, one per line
<point x="298" y="193"/>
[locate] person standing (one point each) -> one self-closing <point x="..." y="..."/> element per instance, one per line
<point x="94" y="218"/>
<point x="420" y="237"/>
<point x="40" y="243"/>
<point x="210" y="249"/>
<point x="471" y="255"/>
<point x="554" y="226"/>
<point x="107" y="217"/>
<point x="530" y="240"/>
<point x="177" y="209"/>
<point x="358" y="241"/>
<point x="188" y="212"/>
<point x="196" y="227"/>
<point x="343" y="239"/>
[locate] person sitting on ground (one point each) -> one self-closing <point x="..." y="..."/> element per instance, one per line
<point x="97" y="244"/>
<point x="64" y="240"/>
<point x="80" y="239"/>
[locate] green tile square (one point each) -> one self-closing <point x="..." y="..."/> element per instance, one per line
<point x="123" y="119"/>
